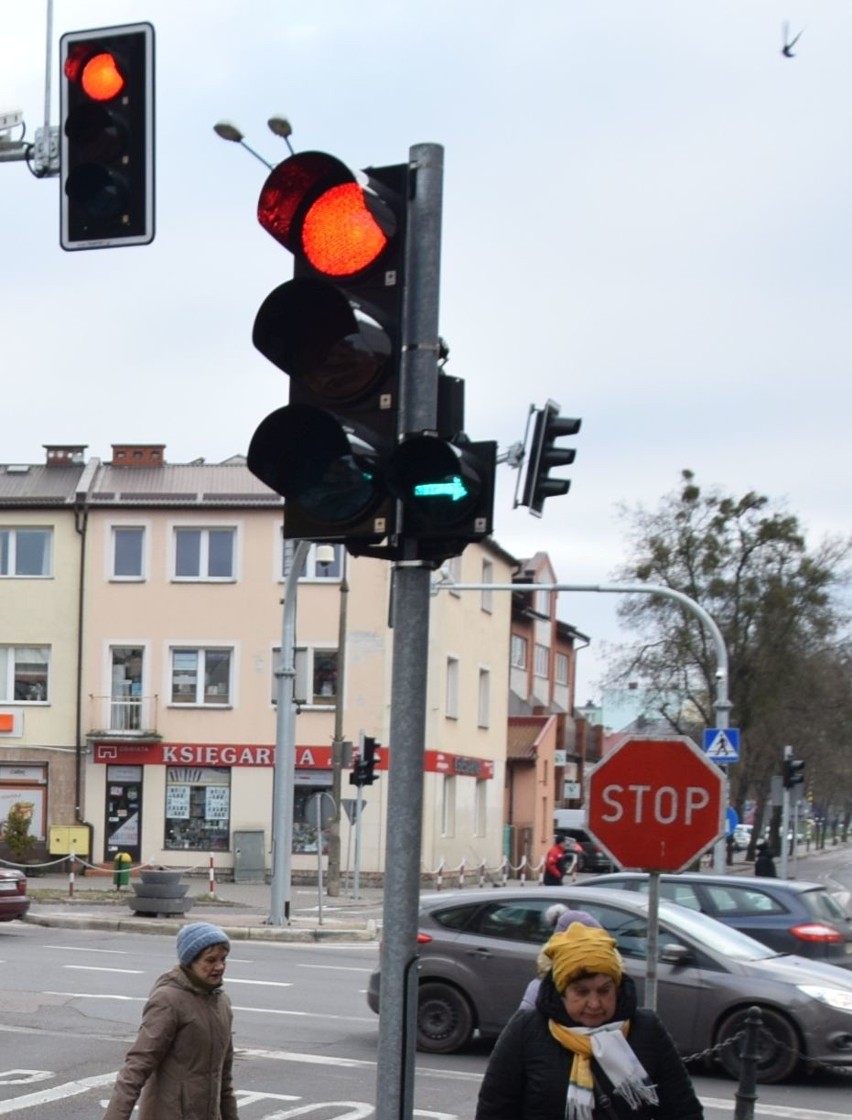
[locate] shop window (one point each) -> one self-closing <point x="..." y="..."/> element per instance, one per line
<point x="24" y="674"/>
<point x="198" y="808"/>
<point x="201" y="676"/>
<point x="26" y="553"/>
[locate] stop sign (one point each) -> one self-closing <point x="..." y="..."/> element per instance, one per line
<point x="656" y="804"/>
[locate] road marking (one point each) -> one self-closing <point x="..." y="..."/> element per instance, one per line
<point x="334" y="967"/>
<point x="81" y="949"/>
<point x="262" y="983"/>
<point x="98" y="968"/>
<point x="59" y="1092"/>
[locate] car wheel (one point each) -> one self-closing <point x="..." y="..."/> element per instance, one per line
<point x="444" y="1019"/>
<point x="777" y="1045"/>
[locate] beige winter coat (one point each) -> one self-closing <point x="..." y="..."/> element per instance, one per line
<point x="182" y="1057"/>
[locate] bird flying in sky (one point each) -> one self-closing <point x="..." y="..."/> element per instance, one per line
<point x="787" y="49"/>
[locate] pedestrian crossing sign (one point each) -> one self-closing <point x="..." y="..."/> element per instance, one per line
<point x="722" y="744"/>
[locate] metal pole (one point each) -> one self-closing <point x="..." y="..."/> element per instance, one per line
<point x="284" y="770"/>
<point x="318" y="817"/>
<point x="337" y="745"/>
<point x="410" y="607"/>
<point x="746" y="1094"/>
<point x="356" y="874"/>
<point x="651" y="971"/>
<point x="721" y="704"/>
<point x="785" y="819"/>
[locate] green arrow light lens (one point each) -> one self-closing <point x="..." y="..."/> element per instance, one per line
<point x="453" y="488"/>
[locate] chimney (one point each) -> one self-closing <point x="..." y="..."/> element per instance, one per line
<point x="65" y="454"/>
<point x="138" y="454"/>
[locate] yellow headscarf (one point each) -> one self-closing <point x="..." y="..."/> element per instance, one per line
<point x="582" y="949"/>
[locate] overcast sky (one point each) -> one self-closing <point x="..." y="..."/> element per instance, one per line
<point x="646" y="218"/>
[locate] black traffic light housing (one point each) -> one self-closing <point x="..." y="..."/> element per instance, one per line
<point x="363" y="770"/>
<point x="107" y="137"/>
<point x="794" y="772"/>
<point x="336" y="330"/>
<point x="545" y="455"/>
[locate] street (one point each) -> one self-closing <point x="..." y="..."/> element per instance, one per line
<point x="305" y="1039"/>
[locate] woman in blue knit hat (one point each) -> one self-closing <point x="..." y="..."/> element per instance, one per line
<point x="180" y="1064"/>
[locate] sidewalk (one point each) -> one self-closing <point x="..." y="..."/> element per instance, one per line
<point x="241" y="909"/>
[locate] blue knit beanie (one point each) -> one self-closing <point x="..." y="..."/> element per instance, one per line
<point x="195" y="938"/>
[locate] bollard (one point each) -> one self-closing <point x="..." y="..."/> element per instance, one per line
<point x="746" y="1094"/>
<point x="71" y="862"/>
<point x="121" y="874"/>
<point x="211" y="883"/>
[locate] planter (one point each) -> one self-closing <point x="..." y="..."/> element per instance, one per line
<point x="159" y="894"/>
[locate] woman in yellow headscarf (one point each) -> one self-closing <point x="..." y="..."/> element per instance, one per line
<point x="586" y="1052"/>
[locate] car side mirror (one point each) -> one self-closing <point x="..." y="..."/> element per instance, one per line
<point x="675" y="954"/>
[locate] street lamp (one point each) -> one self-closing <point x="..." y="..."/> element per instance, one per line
<point x="278" y="126"/>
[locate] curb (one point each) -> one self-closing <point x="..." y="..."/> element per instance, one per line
<point x="166" y="927"/>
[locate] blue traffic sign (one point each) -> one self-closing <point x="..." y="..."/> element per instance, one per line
<point x="722" y="744"/>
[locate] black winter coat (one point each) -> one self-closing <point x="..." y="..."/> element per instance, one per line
<point x="527" y="1074"/>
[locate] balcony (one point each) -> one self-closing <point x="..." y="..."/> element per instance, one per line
<point x="132" y="717"/>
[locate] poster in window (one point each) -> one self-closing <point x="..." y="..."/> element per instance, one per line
<point x="217" y="805"/>
<point x="177" y="802"/>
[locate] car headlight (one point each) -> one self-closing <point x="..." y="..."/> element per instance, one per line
<point x="834" y="997"/>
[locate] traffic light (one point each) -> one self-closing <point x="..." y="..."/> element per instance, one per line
<point x="336" y="330"/>
<point x="107" y="137"/>
<point x="794" y="772"/>
<point x="363" y="772"/>
<point x="544" y="455"/>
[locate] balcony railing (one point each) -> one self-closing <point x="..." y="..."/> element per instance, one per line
<point x="134" y="716"/>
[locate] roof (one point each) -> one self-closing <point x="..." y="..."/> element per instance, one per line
<point x="524" y="736"/>
<point x="27" y="484"/>
<point x="181" y="484"/>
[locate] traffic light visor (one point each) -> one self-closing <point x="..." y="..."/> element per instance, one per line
<point x="312" y="204"/>
<point x="309" y="329"/>
<point x="303" y="454"/>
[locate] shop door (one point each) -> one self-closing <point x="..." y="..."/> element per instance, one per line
<point x="123" y="829"/>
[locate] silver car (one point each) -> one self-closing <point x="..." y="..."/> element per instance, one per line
<point x="478" y="949"/>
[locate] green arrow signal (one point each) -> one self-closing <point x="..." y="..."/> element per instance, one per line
<point x="454" y="488"/>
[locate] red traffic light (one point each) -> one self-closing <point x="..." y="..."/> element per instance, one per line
<point x="313" y="205"/>
<point x="101" y="77"/>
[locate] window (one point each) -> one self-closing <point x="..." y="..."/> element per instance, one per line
<point x="448" y="805"/>
<point x="315" y="682"/>
<point x="519" y="652"/>
<point x="484" y="696"/>
<point x="204" y="554"/>
<point x="542" y="603"/>
<point x="24" y="674"/>
<point x="201" y="676"/>
<point x="26" y="552"/>
<point x="452" y="698"/>
<point x="453" y="569"/>
<point x="560" y="670"/>
<point x="542" y="661"/>
<point x="127" y="552"/>
<point x="198" y="808"/>
<point x="487" y="600"/>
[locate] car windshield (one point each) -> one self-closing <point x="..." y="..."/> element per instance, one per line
<point x="715" y="936"/>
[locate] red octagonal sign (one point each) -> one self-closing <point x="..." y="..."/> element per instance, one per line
<point x="656" y="804"/>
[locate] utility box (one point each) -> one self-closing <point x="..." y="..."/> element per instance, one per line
<point x="63" y="839"/>
<point x="249" y="857"/>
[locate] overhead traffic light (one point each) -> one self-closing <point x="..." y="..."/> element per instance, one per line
<point x="545" y="455"/>
<point x="107" y="137"/>
<point x="794" y="772"/>
<point x="336" y="330"/>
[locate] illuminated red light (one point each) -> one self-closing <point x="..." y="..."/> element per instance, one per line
<point x="340" y="236"/>
<point x="101" y="78"/>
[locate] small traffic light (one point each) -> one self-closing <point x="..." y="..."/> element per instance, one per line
<point x="107" y="137"/>
<point x="794" y="772"/>
<point x="363" y="771"/>
<point x="336" y="330"/>
<point x="544" y="455"/>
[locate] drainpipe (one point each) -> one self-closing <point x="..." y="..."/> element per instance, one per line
<point x="81" y="521"/>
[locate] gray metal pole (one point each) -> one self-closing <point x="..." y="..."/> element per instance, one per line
<point x="284" y="770"/>
<point x="333" y="877"/>
<point x="410" y="606"/>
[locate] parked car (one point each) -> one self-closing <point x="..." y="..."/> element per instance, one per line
<point x="741" y="837"/>
<point x="788" y="915"/>
<point x="478" y="950"/>
<point x="592" y="855"/>
<point x="14" y="902"/>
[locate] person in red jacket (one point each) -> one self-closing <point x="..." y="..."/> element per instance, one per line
<point x="554" y="863"/>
